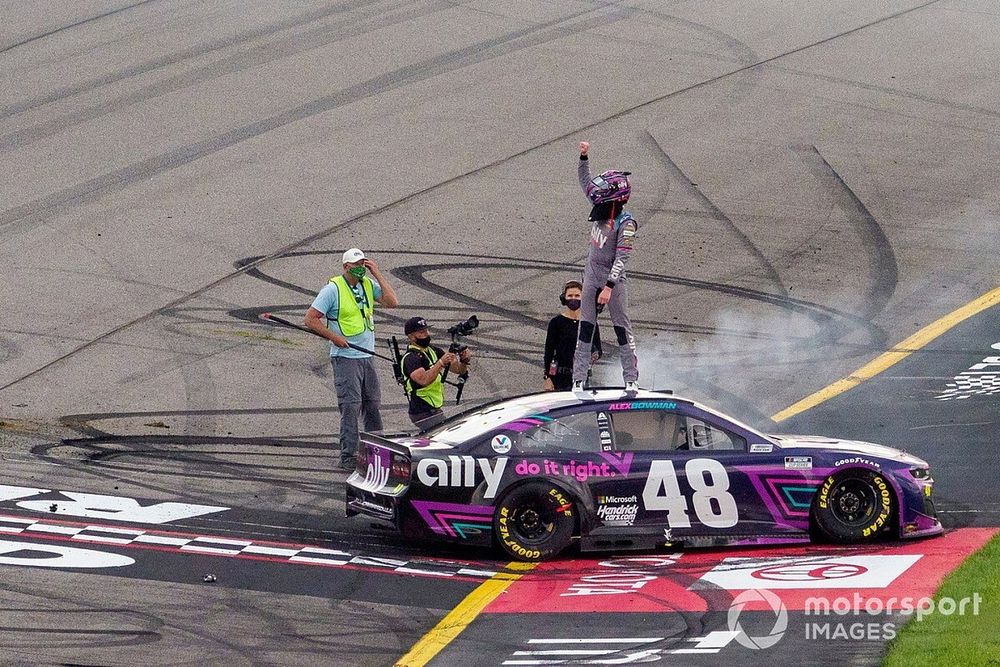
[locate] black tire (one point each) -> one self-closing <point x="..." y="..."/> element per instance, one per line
<point x="534" y="521"/>
<point x="853" y="506"/>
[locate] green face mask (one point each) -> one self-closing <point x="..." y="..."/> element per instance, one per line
<point x="357" y="271"/>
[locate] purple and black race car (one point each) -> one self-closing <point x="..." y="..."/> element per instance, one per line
<point x="537" y="472"/>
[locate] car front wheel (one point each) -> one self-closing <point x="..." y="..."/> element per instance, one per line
<point x="534" y="521"/>
<point x="853" y="506"/>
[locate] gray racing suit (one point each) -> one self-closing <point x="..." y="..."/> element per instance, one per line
<point x="610" y="247"/>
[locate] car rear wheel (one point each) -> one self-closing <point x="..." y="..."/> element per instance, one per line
<point x="534" y="521"/>
<point x="853" y="506"/>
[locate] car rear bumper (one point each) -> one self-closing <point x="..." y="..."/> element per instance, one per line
<point x="373" y="505"/>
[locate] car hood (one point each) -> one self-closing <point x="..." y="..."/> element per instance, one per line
<point x="848" y="447"/>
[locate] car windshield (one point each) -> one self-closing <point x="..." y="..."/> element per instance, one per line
<point x="477" y="423"/>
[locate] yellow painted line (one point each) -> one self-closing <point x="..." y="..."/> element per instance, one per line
<point x="465" y="612"/>
<point x="893" y="356"/>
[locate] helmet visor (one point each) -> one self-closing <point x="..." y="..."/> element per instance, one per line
<point x="600" y="183"/>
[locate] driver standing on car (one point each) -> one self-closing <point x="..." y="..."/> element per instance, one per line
<point x="612" y="235"/>
<point x="423" y="366"/>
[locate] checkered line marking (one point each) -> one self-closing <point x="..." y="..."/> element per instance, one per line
<point x="969" y="385"/>
<point x="231" y="547"/>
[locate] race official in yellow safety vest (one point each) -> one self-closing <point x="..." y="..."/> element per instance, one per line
<point x="344" y="313"/>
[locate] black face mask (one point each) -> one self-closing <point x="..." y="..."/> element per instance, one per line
<point x="423" y="342"/>
<point x="604" y="211"/>
<point x="573" y="304"/>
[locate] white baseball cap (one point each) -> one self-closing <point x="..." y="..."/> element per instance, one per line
<point x="353" y="255"/>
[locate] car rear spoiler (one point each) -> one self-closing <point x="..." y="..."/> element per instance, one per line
<point x="381" y="441"/>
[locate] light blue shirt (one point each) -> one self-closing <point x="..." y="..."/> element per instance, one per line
<point x="328" y="303"/>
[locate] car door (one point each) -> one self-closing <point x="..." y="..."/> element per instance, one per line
<point x="686" y="475"/>
<point x="726" y="482"/>
<point x="631" y="440"/>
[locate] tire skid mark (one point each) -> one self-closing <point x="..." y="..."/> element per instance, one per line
<point x="38" y="211"/>
<point x="187" y="54"/>
<point x="883" y="267"/>
<point x="173" y="482"/>
<point x="164" y="447"/>
<point x="743" y="52"/>
<point x="79" y="624"/>
<point x="897" y="92"/>
<point x="76" y="24"/>
<point x="434" y="187"/>
<point x="199" y="385"/>
<point x="822" y="316"/>
<point x="247" y="59"/>
<point x="84" y="604"/>
<point x="715" y="212"/>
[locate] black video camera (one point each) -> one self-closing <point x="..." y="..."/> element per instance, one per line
<point x="462" y="329"/>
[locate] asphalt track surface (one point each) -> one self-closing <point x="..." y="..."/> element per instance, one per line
<point x="815" y="182"/>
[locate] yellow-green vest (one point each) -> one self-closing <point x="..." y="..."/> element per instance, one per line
<point x="352" y="318"/>
<point x="432" y="394"/>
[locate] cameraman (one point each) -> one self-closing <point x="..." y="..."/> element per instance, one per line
<point x="423" y="366"/>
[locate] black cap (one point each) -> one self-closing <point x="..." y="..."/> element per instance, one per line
<point x="414" y="324"/>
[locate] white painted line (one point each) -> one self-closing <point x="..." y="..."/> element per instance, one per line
<point x="10" y="529"/>
<point x="578" y="651"/>
<point x="102" y="538"/>
<point x="598" y="640"/>
<point x="222" y="540"/>
<point x="162" y="539"/>
<point x="330" y="552"/>
<point x="58" y="530"/>
<point x="269" y="551"/>
<point x="377" y="562"/>
<point x="209" y="550"/>
<point x="323" y="561"/>
<point x="476" y="573"/>
<point x="695" y="650"/>
<point x="413" y="570"/>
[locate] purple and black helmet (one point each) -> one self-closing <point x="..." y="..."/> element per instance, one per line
<point x="610" y="186"/>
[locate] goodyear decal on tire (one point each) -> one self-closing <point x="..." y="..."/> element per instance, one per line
<point x="885" y="498"/>
<point x="824" y="493"/>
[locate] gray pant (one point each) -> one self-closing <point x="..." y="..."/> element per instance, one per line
<point x="618" y="307"/>
<point x="358" y="394"/>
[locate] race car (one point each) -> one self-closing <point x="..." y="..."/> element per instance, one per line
<point x="536" y="473"/>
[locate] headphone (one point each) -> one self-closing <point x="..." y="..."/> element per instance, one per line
<point x="569" y="283"/>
